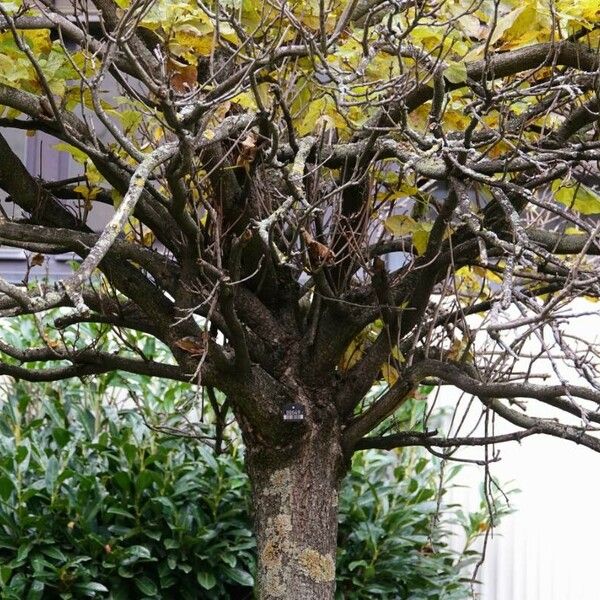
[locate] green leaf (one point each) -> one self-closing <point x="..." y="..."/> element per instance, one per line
<point x="153" y="534"/>
<point x="5" y="573"/>
<point x="238" y="575"/>
<point x="91" y="588"/>
<point x="52" y="469"/>
<point x="6" y="487"/>
<point x="229" y="559"/>
<point x="135" y="553"/>
<point x="21" y="454"/>
<point x="146" y="586"/>
<point x="61" y="436"/>
<point x="144" y="480"/>
<point x="206" y="580"/>
<point x="23" y="552"/>
<point x="36" y="590"/>
<point x="55" y="553"/>
<point x="56" y="413"/>
<point x="357" y="563"/>
<point x="87" y="420"/>
<point x="123" y="480"/>
<point x="115" y="510"/>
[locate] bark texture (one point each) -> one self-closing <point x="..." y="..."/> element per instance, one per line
<point x="295" y="497"/>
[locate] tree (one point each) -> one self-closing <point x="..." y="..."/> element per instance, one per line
<point x="310" y="198"/>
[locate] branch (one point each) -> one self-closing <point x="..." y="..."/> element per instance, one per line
<point x="567" y="54"/>
<point x="547" y="426"/>
<point x="20" y="235"/>
<point x="577" y="120"/>
<point x="487" y="392"/>
<point x="426" y="439"/>
<point x="117" y="222"/>
<point x="227" y="295"/>
<point x="458" y="377"/>
<point x="94" y="363"/>
<point x="384" y="406"/>
<point x="360" y="378"/>
<point x="562" y="243"/>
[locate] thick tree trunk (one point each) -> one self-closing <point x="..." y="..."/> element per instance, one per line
<point x="295" y="498"/>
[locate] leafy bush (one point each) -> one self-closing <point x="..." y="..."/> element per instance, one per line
<point x="94" y="501"/>
<point x="395" y="534"/>
<point x="95" y="504"/>
<point x="398" y="535"/>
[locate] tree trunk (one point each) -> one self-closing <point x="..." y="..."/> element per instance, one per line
<point x="295" y="497"/>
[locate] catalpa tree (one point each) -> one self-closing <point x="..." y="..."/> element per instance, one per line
<point x="318" y="206"/>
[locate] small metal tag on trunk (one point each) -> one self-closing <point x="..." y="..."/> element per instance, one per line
<point x="293" y="412"/>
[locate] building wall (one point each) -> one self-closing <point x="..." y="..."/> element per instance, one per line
<point x="42" y="160"/>
<point x="549" y="548"/>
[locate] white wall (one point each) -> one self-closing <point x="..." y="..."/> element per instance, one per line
<point x="549" y="549"/>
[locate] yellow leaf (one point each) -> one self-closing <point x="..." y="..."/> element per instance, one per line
<point x="577" y="197"/>
<point x="395" y="350"/>
<point x="92" y="174"/>
<point x="116" y="198"/>
<point x="389" y="374"/>
<point x="130" y="119"/>
<point x="87" y="192"/>
<point x="401" y="225"/>
<point x="358" y="115"/>
<point x="530" y="22"/>
<point x="487" y="274"/>
<point x="38" y="40"/>
<point x="189" y="44"/>
<point x="352" y="355"/>
<point x="405" y="225"/>
<point x="581" y="13"/>
<point x="148" y="238"/>
<point x="245" y="100"/>
<point x="321" y="111"/>
<point x="505" y="23"/>
<point x="158" y="133"/>
<point x="456" y="72"/>
<point x="383" y="66"/>
<point x="457" y="350"/>
<point x="420" y="239"/>
<point x="78" y="155"/>
<point x="406" y="189"/>
<point x="427" y="36"/>
<point x="251" y="15"/>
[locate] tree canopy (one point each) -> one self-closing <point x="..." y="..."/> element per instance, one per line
<point x="311" y="198"/>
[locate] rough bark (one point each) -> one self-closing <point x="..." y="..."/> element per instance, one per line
<point x="295" y="498"/>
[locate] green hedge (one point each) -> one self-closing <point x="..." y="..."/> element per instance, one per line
<point x="95" y="504"/>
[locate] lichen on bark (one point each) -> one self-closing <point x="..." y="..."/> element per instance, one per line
<point x="319" y="567"/>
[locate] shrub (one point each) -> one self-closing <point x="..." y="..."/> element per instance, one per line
<point x="95" y="504"/>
